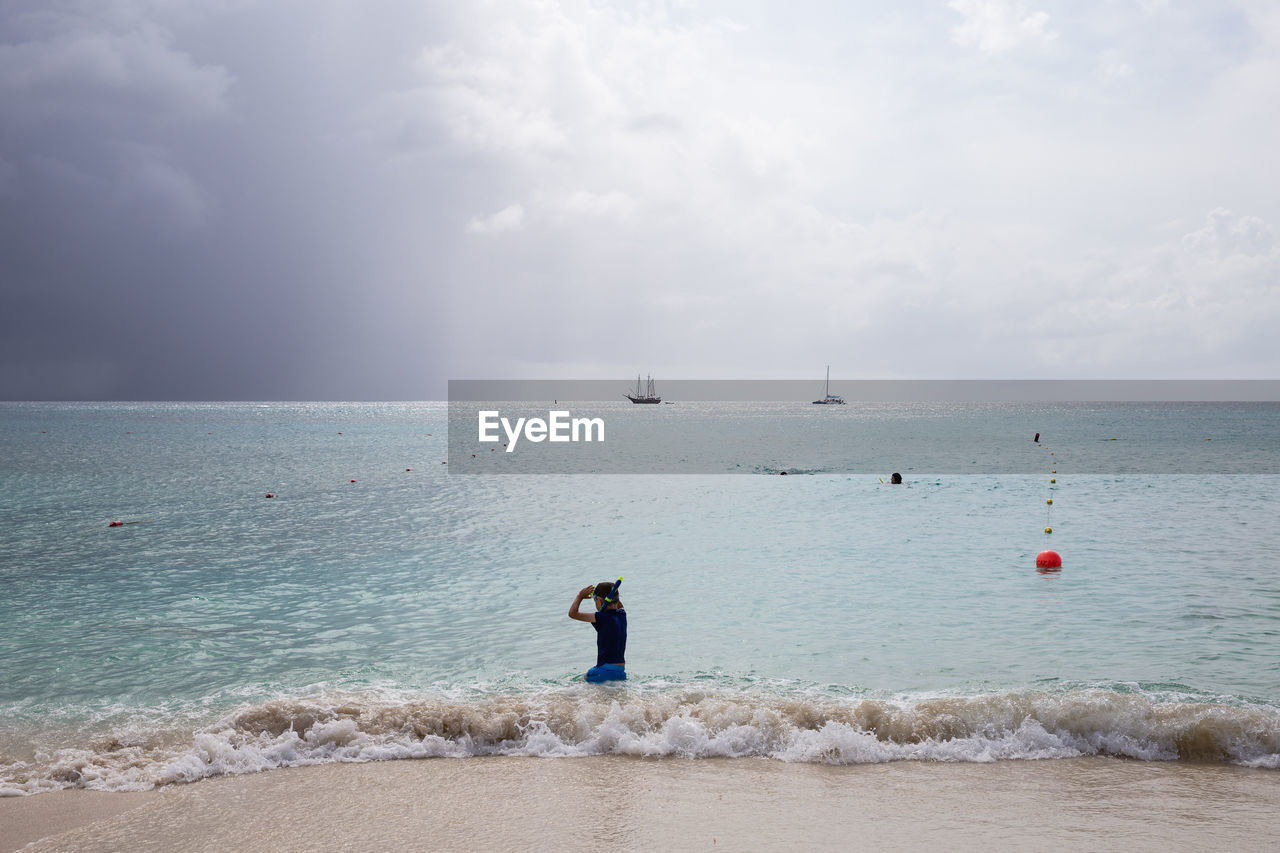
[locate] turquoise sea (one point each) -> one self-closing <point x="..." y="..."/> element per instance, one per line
<point x="381" y="607"/>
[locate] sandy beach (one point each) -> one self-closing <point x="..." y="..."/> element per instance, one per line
<point x="639" y="804"/>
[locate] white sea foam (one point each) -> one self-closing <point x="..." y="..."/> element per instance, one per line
<point x="319" y="728"/>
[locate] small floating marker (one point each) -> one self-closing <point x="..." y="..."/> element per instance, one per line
<point x="408" y="469"/>
<point x="1054" y="471"/>
<point x="1049" y="501"/>
<point x="271" y="494"/>
<point x="1049" y="560"/>
<point x="116" y="524"/>
<point x="473" y="456"/>
<point x="1113" y="439"/>
<point x="1048" y="530"/>
<point x="353" y="481"/>
<point x="1208" y="439"/>
<point x="1051" y="480"/>
<point x="444" y="463"/>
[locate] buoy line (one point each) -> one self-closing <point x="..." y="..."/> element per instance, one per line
<point x="1049" y="560"/>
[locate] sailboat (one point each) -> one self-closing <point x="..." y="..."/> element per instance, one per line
<point x="649" y="395"/>
<point x="830" y="399"/>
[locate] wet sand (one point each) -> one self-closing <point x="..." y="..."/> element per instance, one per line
<point x="709" y="804"/>
<point x="26" y="819"/>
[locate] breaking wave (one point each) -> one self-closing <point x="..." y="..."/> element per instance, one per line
<point x="663" y="722"/>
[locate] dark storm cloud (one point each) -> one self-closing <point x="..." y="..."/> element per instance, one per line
<point x="198" y="206"/>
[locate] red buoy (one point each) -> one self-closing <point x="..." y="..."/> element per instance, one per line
<point x="1049" y="560"/>
<point x="271" y="494"/>
<point x="116" y="524"/>
<point x="353" y="481"/>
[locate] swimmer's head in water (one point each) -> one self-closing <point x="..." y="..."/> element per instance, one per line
<point x="896" y="478"/>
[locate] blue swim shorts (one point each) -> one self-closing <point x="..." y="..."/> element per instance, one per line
<point x="606" y="672"/>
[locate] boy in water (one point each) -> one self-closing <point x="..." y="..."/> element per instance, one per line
<point x="610" y="622"/>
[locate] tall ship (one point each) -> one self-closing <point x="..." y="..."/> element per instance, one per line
<point x="830" y="399"/>
<point x="650" y="395"/>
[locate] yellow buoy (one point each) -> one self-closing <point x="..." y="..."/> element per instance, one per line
<point x="1049" y="501"/>
<point x="1048" y="530"/>
<point x="1053" y="480"/>
<point x="1054" y="471"/>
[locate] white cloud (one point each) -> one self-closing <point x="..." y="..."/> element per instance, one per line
<point x="1199" y="306"/>
<point x="993" y="26"/>
<point x="1225" y="235"/>
<point x="1116" y="69"/>
<point x="580" y="204"/>
<point x="489" y="105"/>
<point x="686" y="179"/>
<point x="510" y="218"/>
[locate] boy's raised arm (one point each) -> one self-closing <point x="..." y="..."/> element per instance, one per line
<point x="574" y="613"/>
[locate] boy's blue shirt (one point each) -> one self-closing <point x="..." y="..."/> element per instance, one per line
<point x="611" y="636"/>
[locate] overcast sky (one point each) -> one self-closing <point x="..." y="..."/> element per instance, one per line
<point x="313" y="199"/>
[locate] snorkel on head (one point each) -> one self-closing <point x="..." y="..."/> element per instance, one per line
<point x="611" y="595"/>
